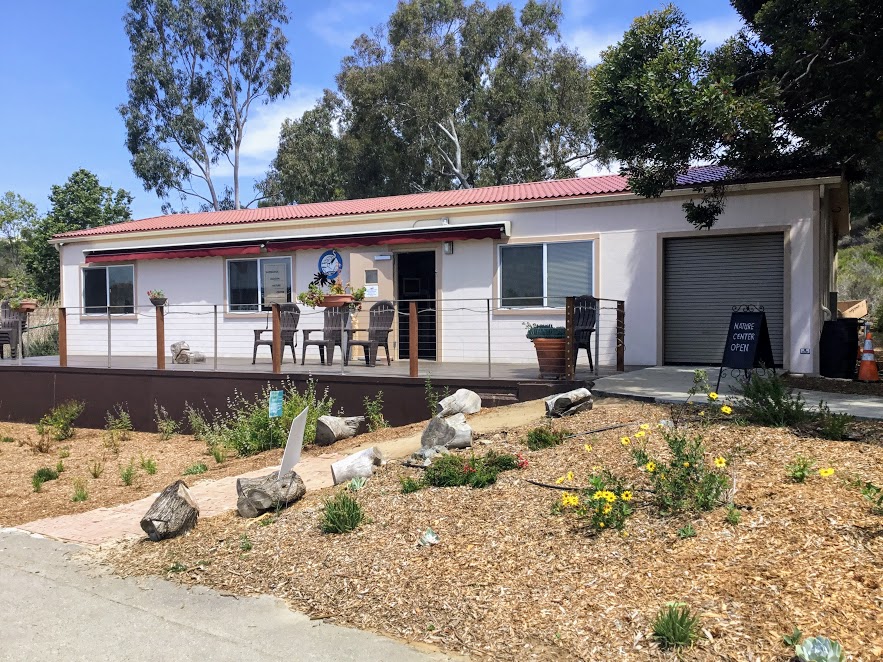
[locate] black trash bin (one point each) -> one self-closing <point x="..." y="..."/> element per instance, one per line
<point x="838" y="348"/>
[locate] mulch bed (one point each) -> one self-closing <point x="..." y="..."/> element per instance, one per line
<point x="835" y="385"/>
<point x="511" y="580"/>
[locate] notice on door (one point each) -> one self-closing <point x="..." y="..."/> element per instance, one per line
<point x="274" y="277"/>
<point x="748" y="342"/>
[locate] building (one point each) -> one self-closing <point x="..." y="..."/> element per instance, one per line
<point x="492" y="258"/>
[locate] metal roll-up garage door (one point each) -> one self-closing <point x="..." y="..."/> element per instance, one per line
<point x="704" y="278"/>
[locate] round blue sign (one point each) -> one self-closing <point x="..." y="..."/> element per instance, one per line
<point x="330" y="263"/>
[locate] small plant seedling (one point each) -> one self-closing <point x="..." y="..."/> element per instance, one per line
<point x="59" y="466"/>
<point x="342" y="513"/>
<point x="733" y="515"/>
<point x="356" y="484"/>
<point x="64" y="453"/>
<point x="195" y="469"/>
<point x="374" y="412"/>
<point x="96" y="468"/>
<point x="127" y="473"/>
<point x="791" y="640"/>
<point x="244" y="543"/>
<point x="410" y="485"/>
<point x="148" y="464"/>
<point x="219" y="453"/>
<point x="166" y="426"/>
<point x="7" y="440"/>
<point x="544" y="437"/>
<point x="80" y="493"/>
<point x="800" y="468"/>
<point x="675" y="625"/>
<point x="686" y="531"/>
<point x="177" y="566"/>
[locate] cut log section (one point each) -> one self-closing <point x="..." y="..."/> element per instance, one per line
<point x="357" y="464"/>
<point x="258" y="495"/>
<point x="174" y="512"/>
<point x="334" y="428"/>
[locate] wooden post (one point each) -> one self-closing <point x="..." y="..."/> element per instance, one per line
<point x="412" y="337"/>
<point x="277" y="339"/>
<point x="569" y="363"/>
<point x="620" y="336"/>
<point x="160" y="337"/>
<point x="62" y="337"/>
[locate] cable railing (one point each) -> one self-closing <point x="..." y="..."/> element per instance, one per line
<point x="478" y="337"/>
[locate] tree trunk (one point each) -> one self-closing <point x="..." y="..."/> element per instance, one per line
<point x="174" y="512"/>
<point x="258" y="495"/>
<point x="357" y="464"/>
<point x="334" y="428"/>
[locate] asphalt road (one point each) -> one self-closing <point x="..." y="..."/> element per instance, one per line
<point x="54" y="606"/>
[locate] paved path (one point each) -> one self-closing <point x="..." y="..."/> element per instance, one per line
<point x="55" y="607"/>
<point x="670" y="384"/>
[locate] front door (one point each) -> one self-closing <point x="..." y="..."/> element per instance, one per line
<point x="415" y="281"/>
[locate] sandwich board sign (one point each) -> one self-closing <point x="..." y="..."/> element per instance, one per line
<point x="748" y="342"/>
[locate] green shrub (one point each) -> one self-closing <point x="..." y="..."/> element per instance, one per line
<point x="118" y="423"/>
<point x="41" y="476"/>
<point x="733" y="515"/>
<point x="127" y="473"/>
<point x="195" y="469"/>
<point x="59" y="422"/>
<point x="166" y="426"/>
<point x="196" y="422"/>
<point x="219" y="453"/>
<point x="148" y="464"/>
<point x="45" y="344"/>
<point x="7" y="440"/>
<point x="96" y="468"/>
<point x="59" y="466"/>
<point x="768" y="400"/>
<point x="605" y="505"/>
<point x="544" y="437"/>
<point x="456" y="470"/>
<point x="341" y="514"/>
<point x="374" y="412"/>
<point x="675" y="626"/>
<point x="832" y="425"/>
<point x="244" y="543"/>
<point x="800" y="468"/>
<point x="64" y="453"/>
<point x="686" y="531"/>
<point x="433" y="396"/>
<point x="874" y="494"/>
<point x="80" y="493"/>
<point x="410" y="485"/>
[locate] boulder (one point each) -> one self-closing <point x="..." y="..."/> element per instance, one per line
<point x="463" y="401"/>
<point x="423" y="457"/>
<point x="450" y="432"/>
<point x="562" y="404"/>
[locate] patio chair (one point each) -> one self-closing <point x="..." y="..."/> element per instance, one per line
<point x="585" y="319"/>
<point x="12" y="328"/>
<point x="336" y="319"/>
<point x="289" y="314"/>
<point x="379" y="327"/>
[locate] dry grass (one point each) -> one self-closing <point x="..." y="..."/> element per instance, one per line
<point x="510" y="580"/>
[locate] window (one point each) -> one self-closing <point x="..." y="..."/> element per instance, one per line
<point x="254" y="285"/>
<point x="112" y="287"/>
<point x="543" y="275"/>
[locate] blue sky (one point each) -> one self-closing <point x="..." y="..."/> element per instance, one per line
<point x="64" y="66"/>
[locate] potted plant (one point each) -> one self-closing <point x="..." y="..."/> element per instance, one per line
<point x="157" y="297"/>
<point x="550" y="343"/>
<point x="20" y="299"/>
<point x="337" y="295"/>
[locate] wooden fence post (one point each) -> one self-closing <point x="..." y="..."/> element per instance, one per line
<point x="569" y="363"/>
<point x="160" y="337"/>
<point x="277" y="339"/>
<point x="412" y="338"/>
<point x="620" y="336"/>
<point x="62" y="337"/>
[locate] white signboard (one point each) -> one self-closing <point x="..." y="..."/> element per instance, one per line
<point x="274" y="278"/>
<point x="372" y="291"/>
<point x="295" y="443"/>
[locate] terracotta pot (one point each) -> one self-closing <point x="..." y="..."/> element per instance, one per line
<point x="158" y="301"/>
<point x="552" y="357"/>
<point x="26" y="306"/>
<point x="336" y="300"/>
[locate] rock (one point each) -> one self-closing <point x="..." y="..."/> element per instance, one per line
<point x="423" y="457"/>
<point x="333" y="428"/>
<point x="557" y="404"/>
<point x="450" y="432"/>
<point x="463" y="401"/>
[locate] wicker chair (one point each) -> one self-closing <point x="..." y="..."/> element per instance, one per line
<point x="289" y="314"/>
<point x="335" y="320"/>
<point x="12" y="327"/>
<point x="379" y="327"/>
<point x="585" y="319"/>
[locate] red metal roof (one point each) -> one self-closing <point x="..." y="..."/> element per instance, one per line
<point x="546" y="190"/>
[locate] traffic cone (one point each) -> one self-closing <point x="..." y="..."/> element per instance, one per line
<point x="867" y="371"/>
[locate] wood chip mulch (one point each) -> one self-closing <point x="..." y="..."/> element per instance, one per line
<point x="511" y="580"/>
<point x="828" y="385"/>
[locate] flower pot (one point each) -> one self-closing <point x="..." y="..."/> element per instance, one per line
<point x="551" y="356"/>
<point x="336" y="300"/>
<point x="158" y="301"/>
<point x="26" y="306"/>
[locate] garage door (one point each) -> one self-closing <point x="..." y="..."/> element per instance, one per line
<point x="704" y="278"/>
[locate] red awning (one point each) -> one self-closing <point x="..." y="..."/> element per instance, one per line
<point x="173" y="254"/>
<point x="452" y="233"/>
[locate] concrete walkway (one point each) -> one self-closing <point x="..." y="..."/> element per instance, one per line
<point x="670" y="384"/>
<point x="55" y="607"/>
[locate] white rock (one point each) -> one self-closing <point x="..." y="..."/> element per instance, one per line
<point x="463" y="401"/>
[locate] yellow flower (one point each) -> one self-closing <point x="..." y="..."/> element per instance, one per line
<point x="640" y="434"/>
<point x="606" y="509"/>
<point x="559" y="480"/>
<point x="597" y="496"/>
<point x="610" y="496"/>
<point x="720" y="462"/>
<point x="702" y="413"/>
<point x="601" y="524"/>
<point x="662" y="476"/>
<point x="825" y="473"/>
<point x="625" y="534"/>
<point x="568" y="500"/>
<point x="712" y="396"/>
<point x="726" y="409"/>
<point x="645" y="426"/>
<point x="597" y="468"/>
<point x="625" y="441"/>
<point x="687" y="464"/>
<point x="587" y="448"/>
<point x="569" y="476"/>
<point x="626" y="496"/>
<point x="651" y="466"/>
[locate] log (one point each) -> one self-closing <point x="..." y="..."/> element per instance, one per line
<point x="334" y="428"/>
<point x="558" y="404"/>
<point x="450" y="432"/>
<point x="357" y="464"/>
<point x="258" y="495"/>
<point x="174" y="512"/>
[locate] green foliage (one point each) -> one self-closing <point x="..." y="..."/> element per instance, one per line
<point x="873" y="494"/>
<point x="686" y="531"/>
<point x="544" y="437"/>
<point x="800" y="468"/>
<point x="605" y="505"/>
<point x="96" y="468"/>
<point x="675" y="625"/>
<point x="792" y="639"/>
<point x="453" y="470"/>
<point x="244" y="543"/>
<point x="219" y="453"/>
<point x="544" y="331"/>
<point x="148" y="464"/>
<point x="733" y="515"/>
<point x="832" y="425"/>
<point x="59" y="466"/>
<point x="118" y="423"/>
<point x="45" y="344"/>
<point x="41" y="476"/>
<point x="819" y="649"/>
<point x="59" y="422"/>
<point x="177" y="567"/>
<point x="80" y="492"/>
<point x="356" y="484"/>
<point x="410" y="485"/>
<point x="16" y="215"/>
<point x="64" y="453"/>
<point x="374" y="412"/>
<point x="195" y="469"/>
<point x="433" y="396"/>
<point x="683" y="483"/>
<point x="127" y="473"/>
<point x="166" y="426"/>
<point x="341" y="514"/>
<point x="768" y="400"/>
<point x="7" y="440"/>
<point x="197" y="68"/>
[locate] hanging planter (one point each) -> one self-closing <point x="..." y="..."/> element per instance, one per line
<point x="24" y="305"/>
<point x="550" y="343"/>
<point x="336" y="300"/>
<point x="157" y="297"/>
<point x="338" y="294"/>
